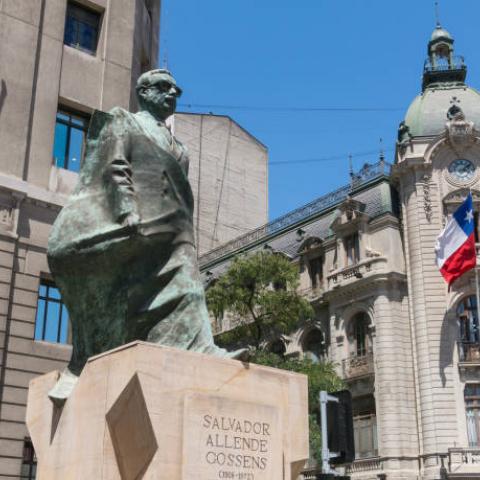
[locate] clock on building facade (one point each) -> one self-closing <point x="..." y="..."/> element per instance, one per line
<point x="462" y="170"/>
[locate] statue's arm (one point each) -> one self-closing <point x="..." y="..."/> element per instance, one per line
<point x="118" y="174"/>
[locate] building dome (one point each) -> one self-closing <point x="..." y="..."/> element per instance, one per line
<point x="427" y="114"/>
<point x="440" y="34"/>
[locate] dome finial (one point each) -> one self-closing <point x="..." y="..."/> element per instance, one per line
<point x="437" y="15"/>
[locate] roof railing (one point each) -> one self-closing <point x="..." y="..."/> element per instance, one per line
<point x="366" y="174"/>
<point x="457" y="63"/>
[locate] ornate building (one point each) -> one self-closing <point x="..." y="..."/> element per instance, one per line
<point x="407" y="347"/>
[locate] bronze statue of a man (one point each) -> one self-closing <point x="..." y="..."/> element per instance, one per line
<point x="122" y="249"/>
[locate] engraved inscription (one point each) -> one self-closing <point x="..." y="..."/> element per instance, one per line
<point x="226" y="439"/>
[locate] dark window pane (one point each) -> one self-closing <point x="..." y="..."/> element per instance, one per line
<point x="81" y="28"/>
<point x="60" y="145"/>
<point x="87" y="36"/>
<point x="29" y="462"/>
<point x="70" y="31"/>
<point x="314" y="346"/>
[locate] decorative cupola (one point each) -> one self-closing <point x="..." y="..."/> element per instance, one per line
<point x="444" y="96"/>
<point x="442" y="66"/>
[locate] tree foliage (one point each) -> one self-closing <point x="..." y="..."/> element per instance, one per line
<point x="321" y="376"/>
<point x="260" y="291"/>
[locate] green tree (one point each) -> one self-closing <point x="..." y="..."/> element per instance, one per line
<point x="260" y="291"/>
<point x="321" y="376"/>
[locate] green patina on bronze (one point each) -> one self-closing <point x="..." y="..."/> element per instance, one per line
<point x="122" y="249"/>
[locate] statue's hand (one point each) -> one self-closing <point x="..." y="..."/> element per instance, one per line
<point x="130" y="220"/>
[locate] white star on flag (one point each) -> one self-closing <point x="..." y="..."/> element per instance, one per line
<point x="469" y="216"/>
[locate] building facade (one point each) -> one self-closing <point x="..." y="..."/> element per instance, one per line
<point x="60" y="60"/>
<point x="228" y="174"/>
<point x="406" y="346"/>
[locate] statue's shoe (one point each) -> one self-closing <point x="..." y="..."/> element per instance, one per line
<point x="63" y="388"/>
<point x="242" y="354"/>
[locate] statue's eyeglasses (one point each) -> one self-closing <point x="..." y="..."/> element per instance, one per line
<point x="165" y="86"/>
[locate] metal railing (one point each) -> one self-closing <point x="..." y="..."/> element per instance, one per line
<point x="457" y="63"/>
<point x="365" y="175"/>
<point x="358" y="365"/>
<point x="468" y="352"/>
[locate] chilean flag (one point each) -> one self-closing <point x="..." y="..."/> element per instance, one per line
<point x="455" y="246"/>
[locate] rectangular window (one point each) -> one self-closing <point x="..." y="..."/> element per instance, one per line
<point x="29" y="462"/>
<point x="81" y="28"/>
<point x="69" y="143"/>
<point x="365" y="426"/>
<point x="365" y="434"/>
<point x="315" y="271"/>
<point x="352" y="249"/>
<point x="472" y="410"/>
<point x="51" y="324"/>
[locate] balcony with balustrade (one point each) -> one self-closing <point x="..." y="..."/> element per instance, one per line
<point x="468" y="360"/>
<point x="463" y="463"/>
<point x="468" y="352"/>
<point x="444" y="69"/>
<point x="357" y="366"/>
<point x="362" y="269"/>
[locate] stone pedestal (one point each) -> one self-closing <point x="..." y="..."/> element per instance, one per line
<point x="148" y="412"/>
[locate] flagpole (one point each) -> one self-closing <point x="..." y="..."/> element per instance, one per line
<point x="478" y="303"/>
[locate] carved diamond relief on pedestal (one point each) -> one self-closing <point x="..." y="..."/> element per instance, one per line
<point x="131" y="431"/>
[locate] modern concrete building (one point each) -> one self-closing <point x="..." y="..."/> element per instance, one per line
<point x="408" y="348"/>
<point x="60" y="60"/>
<point x="229" y="177"/>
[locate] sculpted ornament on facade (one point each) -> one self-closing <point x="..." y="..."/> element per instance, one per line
<point x="427" y="201"/>
<point x="459" y="130"/>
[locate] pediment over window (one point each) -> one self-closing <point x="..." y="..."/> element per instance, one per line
<point x="349" y="213"/>
<point x="310" y="243"/>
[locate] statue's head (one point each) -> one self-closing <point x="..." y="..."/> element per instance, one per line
<point x="157" y="92"/>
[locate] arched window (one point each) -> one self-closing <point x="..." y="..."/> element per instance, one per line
<point x="278" y="348"/>
<point x="360" y="343"/>
<point x="314" y="345"/>
<point x="468" y="335"/>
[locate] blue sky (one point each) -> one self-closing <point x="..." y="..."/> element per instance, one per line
<point x="284" y="54"/>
